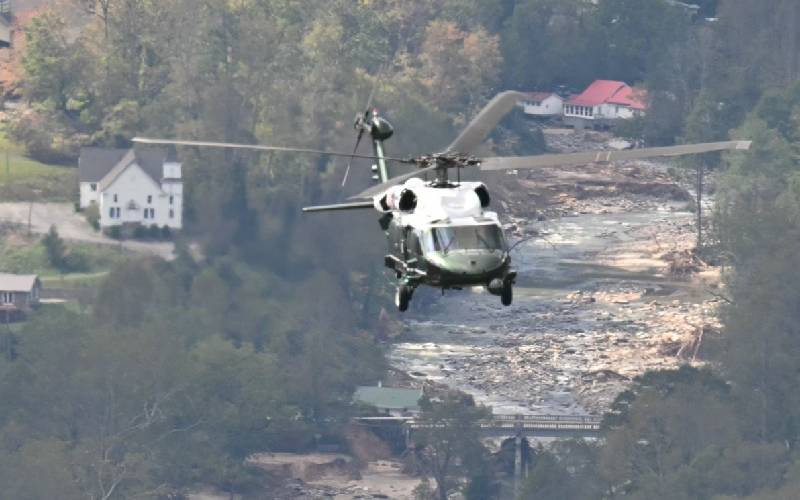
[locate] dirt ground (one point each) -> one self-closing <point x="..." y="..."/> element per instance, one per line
<point x="72" y="226"/>
<point x="334" y="476"/>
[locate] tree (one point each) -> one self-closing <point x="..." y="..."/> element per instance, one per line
<point x="449" y="438"/>
<point x="458" y="66"/>
<point x="55" y="248"/>
<point x="52" y="64"/>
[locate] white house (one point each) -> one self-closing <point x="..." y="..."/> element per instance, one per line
<point x="132" y="186"/>
<point x="603" y="102"/>
<point x="542" y="104"/>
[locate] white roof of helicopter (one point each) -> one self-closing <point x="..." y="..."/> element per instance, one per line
<point x="457" y="205"/>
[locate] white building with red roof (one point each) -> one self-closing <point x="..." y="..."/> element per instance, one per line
<point x="603" y="102"/>
<point x="542" y="104"/>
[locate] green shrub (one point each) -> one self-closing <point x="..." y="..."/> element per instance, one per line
<point x="55" y="249"/>
<point x="154" y="232"/>
<point x="75" y="262"/>
<point x="140" y="232"/>
<point x="115" y="232"/>
<point x="92" y="214"/>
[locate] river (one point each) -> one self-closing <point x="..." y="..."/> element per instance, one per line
<point x="584" y="305"/>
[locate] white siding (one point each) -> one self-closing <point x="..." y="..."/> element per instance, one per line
<point x="552" y="105"/>
<point x="88" y="196"/>
<point x="137" y="197"/>
<point x="172" y="170"/>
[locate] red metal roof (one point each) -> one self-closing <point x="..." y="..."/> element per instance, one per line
<point x="612" y="92"/>
<point x="636" y="99"/>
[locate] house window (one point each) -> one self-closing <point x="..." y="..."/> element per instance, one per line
<point x="149" y="213"/>
<point x="93" y="186"/>
<point x="111" y="212"/>
<point x="171" y="200"/>
<point x="171" y="213"/>
<point x="115" y="198"/>
<point x="149" y="198"/>
<point x="118" y="210"/>
<point x="7" y="297"/>
<point x="152" y="213"/>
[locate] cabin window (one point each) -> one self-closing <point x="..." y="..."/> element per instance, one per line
<point x="485" y="237"/>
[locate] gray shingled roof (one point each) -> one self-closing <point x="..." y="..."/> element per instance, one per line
<point x="388" y="398"/>
<point x="17" y="282"/>
<point x="97" y="163"/>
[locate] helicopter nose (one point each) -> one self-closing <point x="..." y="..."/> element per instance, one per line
<point x="473" y="264"/>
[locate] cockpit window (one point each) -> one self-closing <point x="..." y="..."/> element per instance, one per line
<point x="445" y="239"/>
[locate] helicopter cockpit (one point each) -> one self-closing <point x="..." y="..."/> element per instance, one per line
<point x="445" y="239"/>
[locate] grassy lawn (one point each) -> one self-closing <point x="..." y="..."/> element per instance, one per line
<point x="26" y="255"/>
<point x="23" y="179"/>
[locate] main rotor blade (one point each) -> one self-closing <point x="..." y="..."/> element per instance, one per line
<point x="350" y="160"/>
<point x="258" y="147"/>
<point x="555" y="160"/>
<point x="488" y="118"/>
<point x="378" y="189"/>
<point x="340" y="206"/>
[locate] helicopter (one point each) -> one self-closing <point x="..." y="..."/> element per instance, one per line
<point x="441" y="232"/>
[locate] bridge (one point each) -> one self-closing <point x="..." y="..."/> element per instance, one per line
<point x="538" y="426"/>
<point x="517" y="427"/>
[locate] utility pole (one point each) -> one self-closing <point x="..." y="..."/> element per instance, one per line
<point x="700" y="172"/>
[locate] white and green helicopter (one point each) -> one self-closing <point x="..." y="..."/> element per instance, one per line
<point x="441" y="232"/>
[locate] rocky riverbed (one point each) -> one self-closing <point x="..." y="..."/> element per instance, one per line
<point x="607" y="289"/>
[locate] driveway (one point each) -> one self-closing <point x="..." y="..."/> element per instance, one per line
<point x="73" y="226"/>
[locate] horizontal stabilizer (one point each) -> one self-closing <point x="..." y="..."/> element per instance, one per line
<point x="340" y="206"/>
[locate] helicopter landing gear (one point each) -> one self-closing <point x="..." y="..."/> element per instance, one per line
<point x="507" y="293"/>
<point x="403" y="297"/>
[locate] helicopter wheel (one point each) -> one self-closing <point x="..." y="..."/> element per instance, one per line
<point x="403" y="297"/>
<point x="507" y="294"/>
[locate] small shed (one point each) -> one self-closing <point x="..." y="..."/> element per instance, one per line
<point x="542" y="104"/>
<point x="389" y="400"/>
<point x="19" y="293"/>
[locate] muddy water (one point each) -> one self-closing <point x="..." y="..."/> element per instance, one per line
<point x="468" y="341"/>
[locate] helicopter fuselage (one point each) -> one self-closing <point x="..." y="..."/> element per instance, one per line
<point x="442" y="236"/>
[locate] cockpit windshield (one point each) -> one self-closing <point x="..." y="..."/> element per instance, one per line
<point x="447" y="238"/>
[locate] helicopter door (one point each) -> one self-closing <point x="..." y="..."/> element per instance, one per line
<point x="413" y="246"/>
